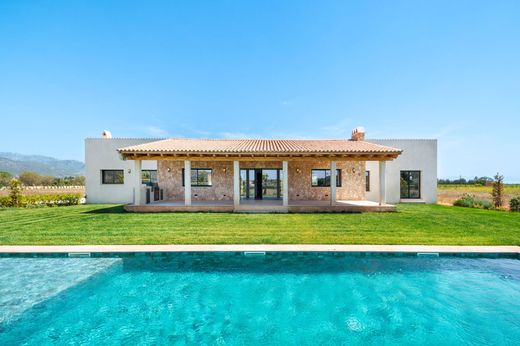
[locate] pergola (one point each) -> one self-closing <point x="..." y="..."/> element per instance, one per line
<point x="189" y="150"/>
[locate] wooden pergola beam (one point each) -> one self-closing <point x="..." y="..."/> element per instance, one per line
<point x="260" y="157"/>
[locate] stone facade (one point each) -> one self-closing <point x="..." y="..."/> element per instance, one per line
<point x="352" y="181"/>
<point x="169" y="176"/>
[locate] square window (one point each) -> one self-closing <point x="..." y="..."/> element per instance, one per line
<point x="321" y="177"/>
<point x="200" y="177"/>
<point x="112" y="176"/>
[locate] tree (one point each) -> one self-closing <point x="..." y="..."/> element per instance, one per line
<point x="498" y="190"/>
<point x="46" y="180"/>
<point x="15" y="192"/>
<point x="30" y="178"/>
<point x="5" y="178"/>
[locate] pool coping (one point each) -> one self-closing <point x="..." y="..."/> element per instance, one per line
<point x="19" y="249"/>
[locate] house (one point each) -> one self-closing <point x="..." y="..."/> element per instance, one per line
<point x="278" y="175"/>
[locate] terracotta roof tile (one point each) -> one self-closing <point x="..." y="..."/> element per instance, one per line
<point x="259" y="146"/>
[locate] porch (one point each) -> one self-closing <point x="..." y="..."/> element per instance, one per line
<point x="263" y="206"/>
<point x="260" y="175"/>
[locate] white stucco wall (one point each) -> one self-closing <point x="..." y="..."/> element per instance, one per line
<point x="418" y="155"/>
<point x="101" y="153"/>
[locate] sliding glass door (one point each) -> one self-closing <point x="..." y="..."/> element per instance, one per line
<point x="260" y="184"/>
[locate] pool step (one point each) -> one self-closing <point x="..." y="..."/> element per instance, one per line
<point x="254" y="253"/>
<point x="79" y="254"/>
<point x="427" y="254"/>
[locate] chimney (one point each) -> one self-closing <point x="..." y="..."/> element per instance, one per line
<point x="106" y="134"/>
<point x="358" y="134"/>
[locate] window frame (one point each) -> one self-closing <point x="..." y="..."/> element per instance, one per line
<point x="104" y="181"/>
<point x="367" y="181"/>
<point x="408" y="184"/>
<point x="338" y="176"/>
<point x="199" y="169"/>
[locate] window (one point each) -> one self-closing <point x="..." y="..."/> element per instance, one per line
<point x="321" y="177"/>
<point x="199" y="177"/>
<point x="367" y="181"/>
<point x="112" y="176"/>
<point x="148" y="176"/>
<point x="410" y="184"/>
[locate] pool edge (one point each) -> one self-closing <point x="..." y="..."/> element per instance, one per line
<point x="442" y="249"/>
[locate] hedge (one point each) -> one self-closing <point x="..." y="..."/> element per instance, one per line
<point x="51" y="200"/>
<point x="469" y="201"/>
<point x="514" y="204"/>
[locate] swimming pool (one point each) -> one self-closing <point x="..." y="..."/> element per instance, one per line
<point x="279" y="298"/>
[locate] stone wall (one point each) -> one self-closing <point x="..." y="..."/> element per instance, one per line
<point x="352" y="181"/>
<point x="171" y="182"/>
<point x="169" y="176"/>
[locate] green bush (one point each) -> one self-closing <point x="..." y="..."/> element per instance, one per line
<point x="54" y="200"/>
<point x="15" y="192"/>
<point x="469" y="201"/>
<point x="514" y="204"/>
<point x="5" y="202"/>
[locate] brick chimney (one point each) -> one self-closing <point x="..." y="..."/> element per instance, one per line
<point x="358" y="134"/>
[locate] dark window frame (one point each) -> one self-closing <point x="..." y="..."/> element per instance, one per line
<point x="367" y="181"/>
<point x="196" y="184"/>
<point x="104" y="180"/>
<point x="408" y="184"/>
<point x="338" y="177"/>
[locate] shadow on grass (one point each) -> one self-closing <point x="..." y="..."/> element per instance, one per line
<point x="118" y="209"/>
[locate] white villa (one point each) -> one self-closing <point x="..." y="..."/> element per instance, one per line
<point x="275" y="175"/>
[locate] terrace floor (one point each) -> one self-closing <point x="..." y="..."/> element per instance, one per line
<point x="266" y="205"/>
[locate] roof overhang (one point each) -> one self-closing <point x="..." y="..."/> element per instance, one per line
<point x="255" y="156"/>
<point x="259" y="150"/>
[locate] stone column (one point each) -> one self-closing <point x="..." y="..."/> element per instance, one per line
<point x="285" y="183"/>
<point x="236" y="183"/>
<point x="382" y="182"/>
<point x="137" y="182"/>
<point x="333" y="175"/>
<point x="187" y="182"/>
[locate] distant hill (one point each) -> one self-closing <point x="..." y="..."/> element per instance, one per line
<point x="15" y="163"/>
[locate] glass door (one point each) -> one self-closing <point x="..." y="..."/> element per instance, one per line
<point x="247" y="184"/>
<point x="270" y="183"/>
<point x="260" y="184"/>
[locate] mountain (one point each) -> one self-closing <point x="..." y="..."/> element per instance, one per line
<point x="15" y="163"/>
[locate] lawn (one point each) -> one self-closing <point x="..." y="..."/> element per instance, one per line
<point x="109" y="224"/>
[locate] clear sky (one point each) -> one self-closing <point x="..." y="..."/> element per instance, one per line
<point x="301" y="69"/>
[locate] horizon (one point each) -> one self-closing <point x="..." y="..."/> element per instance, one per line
<point x="443" y="70"/>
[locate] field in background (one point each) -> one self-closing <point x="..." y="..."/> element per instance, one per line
<point x="47" y="190"/>
<point x="448" y="193"/>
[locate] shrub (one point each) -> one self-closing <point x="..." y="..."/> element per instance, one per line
<point x="498" y="190"/>
<point x="469" y="201"/>
<point x="54" y="200"/>
<point x="5" y="202"/>
<point x="514" y="204"/>
<point x="15" y="192"/>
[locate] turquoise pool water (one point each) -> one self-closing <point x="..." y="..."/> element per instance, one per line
<point x="279" y="299"/>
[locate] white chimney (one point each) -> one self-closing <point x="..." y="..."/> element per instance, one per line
<point x="106" y="134"/>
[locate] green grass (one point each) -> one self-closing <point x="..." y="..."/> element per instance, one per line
<point x="109" y="224"/>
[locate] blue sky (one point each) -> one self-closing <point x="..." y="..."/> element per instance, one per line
<point x="299" y="69"/>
